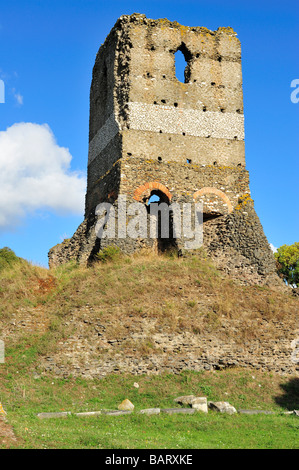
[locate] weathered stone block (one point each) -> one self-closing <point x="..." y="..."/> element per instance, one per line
<point x="200" y="404"/>
<point x="150" y="411"/>
<point x="172" y="411"/>
<point x="88" y="413"/>
<point x="185" y="400"/>
<point x="117" y="412"/>
<point x="222" y="407"/>
<point x="256" y="412"/>
<point x="63" y="414"/>
<point x="126" y="405"/>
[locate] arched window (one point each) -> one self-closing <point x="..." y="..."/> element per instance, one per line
<point x="216" y="202"/>
<point x="182" y="58"/>
<point x="153" y="194"/>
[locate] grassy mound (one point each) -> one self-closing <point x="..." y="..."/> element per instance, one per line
<point x="177" y="295"/>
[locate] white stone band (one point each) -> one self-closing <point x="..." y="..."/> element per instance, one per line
<point x="167" y="119"/>
<point x="156" y="118"/>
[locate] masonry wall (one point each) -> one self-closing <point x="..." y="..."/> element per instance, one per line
<point x="139" y="109"/>
<point x="148" y="133"/>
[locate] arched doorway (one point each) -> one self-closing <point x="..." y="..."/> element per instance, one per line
<point x="157" y="199"/>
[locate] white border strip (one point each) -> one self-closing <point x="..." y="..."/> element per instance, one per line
<point x="102" y="138"/>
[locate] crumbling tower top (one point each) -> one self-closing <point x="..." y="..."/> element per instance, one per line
<point x="139" y="108"/>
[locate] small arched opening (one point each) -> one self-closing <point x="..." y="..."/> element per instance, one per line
<point x="157" y="199"/>
<point x="161" y="216"/>
<point x="215" y="203"/>
<point x="182" y="58"/>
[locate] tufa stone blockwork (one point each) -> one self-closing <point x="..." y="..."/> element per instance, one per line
<point x="150" y="134"/>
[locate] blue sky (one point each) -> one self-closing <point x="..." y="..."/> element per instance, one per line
<point x="47" y="53"/>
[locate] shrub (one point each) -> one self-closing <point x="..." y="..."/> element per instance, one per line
<point x="109" y="253"/>
<point x="7" y="258"/>
<point x="287" y="257"/>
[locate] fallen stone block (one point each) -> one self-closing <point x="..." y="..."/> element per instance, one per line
<point x="200" y="404"/>
<point x="117" y="412"/>
<point x="62" y="414"/>
<point x="185" y="400"/>
<point x="150" y="411"/>
<point x="171" y="411"/>
<point x="256" y="412"/>
<point x="89" y="413"/>
<point x="222" y="407"/>
<point x="126" y="405"/>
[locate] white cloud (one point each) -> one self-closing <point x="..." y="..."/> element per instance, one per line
<point x="19" y="98"/>
<point x="35" y="174"/>
<point x="273" y="248"/>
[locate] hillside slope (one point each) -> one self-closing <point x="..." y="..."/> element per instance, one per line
<point x="145" y="314"/>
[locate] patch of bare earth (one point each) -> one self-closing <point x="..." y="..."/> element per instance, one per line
<point x="7" y="436"/>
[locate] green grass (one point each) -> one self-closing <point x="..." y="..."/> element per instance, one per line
<point x="200" y="431"/>
<point x="25" y="396"/>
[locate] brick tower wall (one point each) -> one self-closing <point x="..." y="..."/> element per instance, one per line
<point x="141" y="113"/>
<point x="149" y="133"/>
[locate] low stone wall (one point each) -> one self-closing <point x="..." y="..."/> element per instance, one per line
<point x="90" y="354"/>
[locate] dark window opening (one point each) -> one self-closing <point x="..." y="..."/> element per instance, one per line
<point x="206" y="216"/>
<point x="165" y="240"/>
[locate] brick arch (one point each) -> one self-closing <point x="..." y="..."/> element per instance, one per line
<point x="152" y="185"/>
<point x="216" y="191"/>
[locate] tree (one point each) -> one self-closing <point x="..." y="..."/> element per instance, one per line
<point x="287" y="260"/>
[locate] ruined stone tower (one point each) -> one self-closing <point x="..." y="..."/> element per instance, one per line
<point x="150" y="134"/>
